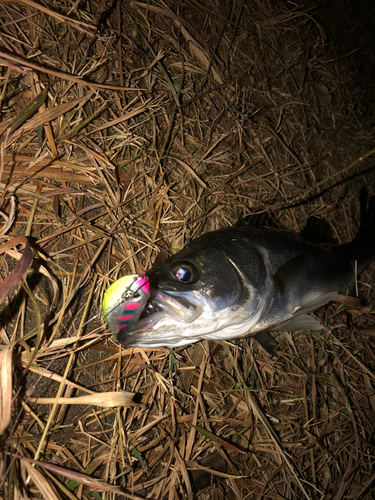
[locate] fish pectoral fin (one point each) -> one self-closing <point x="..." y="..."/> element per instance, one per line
<point x="267" y="342"/>
<point x="313" y="301"/>
<point x="301" y="322"/>
<point x="291" y="274"/>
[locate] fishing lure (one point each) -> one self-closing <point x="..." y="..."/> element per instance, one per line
<point x="124" y="301"/>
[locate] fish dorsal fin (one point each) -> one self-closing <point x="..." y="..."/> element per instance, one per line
<point x="302" y="322"/>
<point x="291" y="274"/>
<point x="254" y="220"/>
<point x="318" y="231"/>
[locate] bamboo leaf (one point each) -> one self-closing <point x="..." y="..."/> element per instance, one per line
<point x="213" y="438"/>
<point x="26" y="113"/>
<point x="13" y="279"/>
<point x="71" y="484"/>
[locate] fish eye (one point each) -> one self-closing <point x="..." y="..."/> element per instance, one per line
<point x="184" y="273"/>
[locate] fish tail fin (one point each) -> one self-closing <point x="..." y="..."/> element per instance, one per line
<point x="367" y="215"/>
<point x="362" y="248"/>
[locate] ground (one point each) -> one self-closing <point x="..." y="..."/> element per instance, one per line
<point x="128" y="129"/>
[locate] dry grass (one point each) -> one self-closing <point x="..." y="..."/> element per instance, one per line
<point x="125" y="132"/>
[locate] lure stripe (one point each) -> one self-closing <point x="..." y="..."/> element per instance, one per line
<point x="126" y="317"/>
<point x="131" y="305"/>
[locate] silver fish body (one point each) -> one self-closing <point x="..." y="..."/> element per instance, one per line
<point x="241" y="281"/>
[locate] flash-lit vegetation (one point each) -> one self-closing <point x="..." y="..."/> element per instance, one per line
<point x="126" y="129"/>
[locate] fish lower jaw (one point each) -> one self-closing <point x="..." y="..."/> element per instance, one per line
<point x="149" y="331"/>
<point x="161" y="330"/>
<point x="166" y="332"/>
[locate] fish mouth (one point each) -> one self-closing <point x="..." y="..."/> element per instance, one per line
<point x="162" y="307"/>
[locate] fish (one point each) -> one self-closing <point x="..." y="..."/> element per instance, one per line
<point x="249" y="280"/>
<point x="125" y="300"/>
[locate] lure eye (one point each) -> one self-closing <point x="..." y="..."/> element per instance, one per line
<point x="129" y="295"/>
<point x="184" y="273"/>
